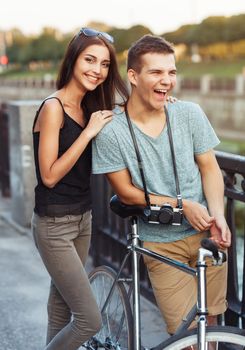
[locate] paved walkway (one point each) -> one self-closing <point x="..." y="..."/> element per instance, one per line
<point x="24" y="287"/>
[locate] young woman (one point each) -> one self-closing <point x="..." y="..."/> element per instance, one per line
<point x="64" y="125"/>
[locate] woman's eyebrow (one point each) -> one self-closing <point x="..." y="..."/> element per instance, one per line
<point x="95" y="57"/>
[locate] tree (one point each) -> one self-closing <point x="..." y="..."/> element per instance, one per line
<point x="47" y="46"/>
<point x="214" y="29"/>
<point x="125" y="37"/>
<point x="182" y="35"/>
<point x="16" y="46"/>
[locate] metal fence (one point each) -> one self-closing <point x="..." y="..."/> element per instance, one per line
<point x="110" y="231"/>
<point x="216" y="84"/>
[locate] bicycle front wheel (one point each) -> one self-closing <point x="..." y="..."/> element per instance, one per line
<point x="117" y="322"/>
<point x="219" y="338"/>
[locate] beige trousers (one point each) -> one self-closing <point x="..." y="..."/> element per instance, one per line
<point x="176" y="291"/>
<point x="63" y="243"/>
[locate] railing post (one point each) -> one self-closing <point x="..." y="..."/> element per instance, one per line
<point x="177" y="87"/>
<point x="205" y="84"/>
<point x="240" y="83"/>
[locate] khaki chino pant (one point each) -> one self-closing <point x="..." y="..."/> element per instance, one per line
<point x="63" y="243"/>
<point x="176" y="291"/>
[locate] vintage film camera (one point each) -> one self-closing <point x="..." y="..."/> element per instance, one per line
<point x="165" y="214"/>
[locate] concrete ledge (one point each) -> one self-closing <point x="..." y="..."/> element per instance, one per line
<point x="22" y="170"/>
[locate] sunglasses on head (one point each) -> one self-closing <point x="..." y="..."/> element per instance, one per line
<point x="94" y="32"/>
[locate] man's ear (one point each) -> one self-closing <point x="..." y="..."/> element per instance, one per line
<point x="132" y="77"/>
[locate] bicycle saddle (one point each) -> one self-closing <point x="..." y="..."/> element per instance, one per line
<point x="125" y="210"/>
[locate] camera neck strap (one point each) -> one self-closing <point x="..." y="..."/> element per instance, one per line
<point x="140" y="161"/>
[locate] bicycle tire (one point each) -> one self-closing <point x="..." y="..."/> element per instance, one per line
<point x="227" y="338"/>
<point x="117" y="321"/>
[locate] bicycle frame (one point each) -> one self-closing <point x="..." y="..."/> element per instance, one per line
<point x="199" y="310"/>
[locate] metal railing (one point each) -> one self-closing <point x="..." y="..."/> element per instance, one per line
<point x="28" y="83"/>
<point x="110" y="231"/>
<point x="194" y="84"/>
<point x="233" y="167"/>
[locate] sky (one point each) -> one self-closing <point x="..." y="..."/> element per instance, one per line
<point x="160" y="16"/>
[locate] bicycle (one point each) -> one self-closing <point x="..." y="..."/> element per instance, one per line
<point x="121" y="328"/>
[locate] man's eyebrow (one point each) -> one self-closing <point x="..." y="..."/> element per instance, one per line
<point x="161" y="70"/>
<point x="155" y="70"/>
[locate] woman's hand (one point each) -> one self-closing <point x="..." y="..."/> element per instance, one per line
<point x="172" y="99"/>
<point x="96" y="122"/>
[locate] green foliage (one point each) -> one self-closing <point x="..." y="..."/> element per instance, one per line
<point x="220" y="68"/>
<point x="125" y="37"/>
<point x="49" y="46"/>
<point x="16" y="50"/>
<point x="211" y="30"/>
<point x="20" y="72"/>
<point x="240" y="219"/>
<point x="45" y="47"/>
<point x="215" y="38"/>
<point x="223" y="50"/>
<point x="232" y="146"/>
<point x="236" y="27"/>
<point x="182" y="35"/>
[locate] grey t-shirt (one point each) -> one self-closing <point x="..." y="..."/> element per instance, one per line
<point x="113" y="150"/>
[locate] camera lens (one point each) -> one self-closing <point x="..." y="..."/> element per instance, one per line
<point x="165" y="215"/>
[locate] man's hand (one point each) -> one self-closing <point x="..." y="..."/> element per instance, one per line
<point x="197" y="215"/>
<point x="213" y="186"/>
<point x="220" y="232"/>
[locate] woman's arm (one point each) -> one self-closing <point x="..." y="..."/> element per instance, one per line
<point x="51" y="117"/>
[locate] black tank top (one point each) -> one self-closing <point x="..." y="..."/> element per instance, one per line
<point x="72" y="194"/>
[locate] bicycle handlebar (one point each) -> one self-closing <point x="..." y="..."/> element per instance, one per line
<point x="210" y="245"/>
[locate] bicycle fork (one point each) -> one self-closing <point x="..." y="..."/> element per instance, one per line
<point x="202" y="298"/>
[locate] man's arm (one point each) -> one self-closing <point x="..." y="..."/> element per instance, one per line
<point x="129" y="194"/>
<point x="213" y="186"/>
<point x="195" y="213"/>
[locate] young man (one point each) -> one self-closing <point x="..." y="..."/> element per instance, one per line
<point x="152" y="75"/>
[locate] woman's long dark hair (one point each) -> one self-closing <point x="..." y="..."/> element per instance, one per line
<point x="104" y="96"/>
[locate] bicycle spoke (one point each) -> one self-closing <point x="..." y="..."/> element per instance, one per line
<point x="116" y="333"/>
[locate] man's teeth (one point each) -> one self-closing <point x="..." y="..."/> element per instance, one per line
<point x="162" y="91"/>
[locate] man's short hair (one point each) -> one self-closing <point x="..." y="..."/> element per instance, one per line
<point x="147" y="44"/>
